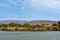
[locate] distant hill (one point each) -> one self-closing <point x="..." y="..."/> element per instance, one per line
<point x="30" y="22"/>
<point x="42" y="22"/>
<point x="15" y="21"/>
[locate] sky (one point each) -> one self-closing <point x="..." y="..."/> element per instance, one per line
<point x="30" y="9"/>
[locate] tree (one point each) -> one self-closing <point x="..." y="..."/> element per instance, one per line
<point x="54" y="27"/>
<point x="12" y="24"/>
<point x="27" y="26"/>
<point x="0" y="25"/>
<point x="4" y="26"/>
<point x="58" y="25"/>
<point x="43" y="27"/>
<point x="37" y="25"/>
<point x="17" y="26"/>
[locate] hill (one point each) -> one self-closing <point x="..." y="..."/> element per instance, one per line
<point x="29" y="22"/>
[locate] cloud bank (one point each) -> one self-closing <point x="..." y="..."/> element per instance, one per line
<point x="46" y="3"/>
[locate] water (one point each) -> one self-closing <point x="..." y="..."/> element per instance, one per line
<point x="29" y="35"/>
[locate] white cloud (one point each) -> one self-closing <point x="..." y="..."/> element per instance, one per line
<point x="46" y="3"/>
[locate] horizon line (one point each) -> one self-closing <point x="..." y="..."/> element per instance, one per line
<point x="30" y="19"/>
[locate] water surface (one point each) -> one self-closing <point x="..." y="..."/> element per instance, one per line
<point x="29" y="35"/>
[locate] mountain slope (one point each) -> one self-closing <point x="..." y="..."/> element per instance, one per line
<point x="30" y="22"/>
<point x="15" y="21"/>
<point x="42" y="22"/>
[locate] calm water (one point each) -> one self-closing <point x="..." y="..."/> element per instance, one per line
<point x="29" y="35"/>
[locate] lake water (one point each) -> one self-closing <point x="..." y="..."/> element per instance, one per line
<point x="29" y="35"/>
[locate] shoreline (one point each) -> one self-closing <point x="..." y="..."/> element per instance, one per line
<point x="30" y="31"/>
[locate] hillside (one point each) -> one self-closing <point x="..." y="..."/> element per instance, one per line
<point x="30" y="22"/>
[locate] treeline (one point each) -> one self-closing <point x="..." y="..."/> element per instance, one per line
<point x="29" y="27"/>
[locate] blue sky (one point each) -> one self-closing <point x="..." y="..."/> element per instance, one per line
<point x="30" y="9"/>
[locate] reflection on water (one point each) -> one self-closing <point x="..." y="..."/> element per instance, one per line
<point x="29" y="35"/>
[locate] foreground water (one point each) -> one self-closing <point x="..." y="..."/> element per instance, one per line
<point x="29" y="35"/>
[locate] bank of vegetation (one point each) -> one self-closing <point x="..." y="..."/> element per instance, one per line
<point x="29" y="27"/>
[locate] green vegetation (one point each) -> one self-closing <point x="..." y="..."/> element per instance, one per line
<point x="29" y="27"/>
